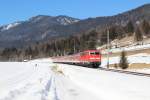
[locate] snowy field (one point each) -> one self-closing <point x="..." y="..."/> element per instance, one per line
<point x="43" y="80"/>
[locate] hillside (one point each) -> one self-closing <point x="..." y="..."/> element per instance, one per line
<point x="35" y="29"/>
<point x="44" y="28"/>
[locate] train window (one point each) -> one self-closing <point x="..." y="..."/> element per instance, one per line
<point x="81" y="53"/>
<point x="94" y="53"/>
<point x="70" y="53"/>
<point x="84" y="53"/>
<point x="97" y="53"/>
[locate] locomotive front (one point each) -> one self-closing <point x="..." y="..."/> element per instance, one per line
<point x="91" y="57"/>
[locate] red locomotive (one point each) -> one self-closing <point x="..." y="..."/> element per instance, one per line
<point x="86" y="58"/>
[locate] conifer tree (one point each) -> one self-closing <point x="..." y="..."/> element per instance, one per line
<point x="123" y="61"/>
<point x="138" y="35"/>
<point x="146" y="27"/>
<point x="129" y="27"/>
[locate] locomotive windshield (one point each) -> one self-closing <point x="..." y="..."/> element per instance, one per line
<point x="97" y="53"/>
<point x="94" y="53"/>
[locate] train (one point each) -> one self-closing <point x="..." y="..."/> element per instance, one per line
<point x="87" y="58"/>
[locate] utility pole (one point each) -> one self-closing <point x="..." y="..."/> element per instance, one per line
<point x="107" y="48"/>
<point x="56" y="48"/>
<point x="74" y="47"/>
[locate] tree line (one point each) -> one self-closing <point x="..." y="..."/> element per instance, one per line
<point x="73" y="44"/>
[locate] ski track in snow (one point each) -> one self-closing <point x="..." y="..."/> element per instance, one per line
<point x="33" y="86"/>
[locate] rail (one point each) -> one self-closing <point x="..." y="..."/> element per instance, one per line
<point x="126" y="72"/>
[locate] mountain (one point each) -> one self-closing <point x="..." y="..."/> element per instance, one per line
<point x="42" y="28"/>
<point x="35" y="29"/>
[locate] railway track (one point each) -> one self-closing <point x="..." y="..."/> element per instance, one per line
<point x="126" y="72"/>
<point x="118" y="71"/>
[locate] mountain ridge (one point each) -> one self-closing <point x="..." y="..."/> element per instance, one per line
<point x="43" y="27"/>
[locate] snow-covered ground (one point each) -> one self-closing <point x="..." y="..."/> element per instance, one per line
<point x="24" y="80"/>
<point x="109" y="85"/>
<point x="36" y="80"/>
<point x="42" y="80"/>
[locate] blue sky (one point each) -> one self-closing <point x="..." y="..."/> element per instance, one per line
<point x="20" y="10"/>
